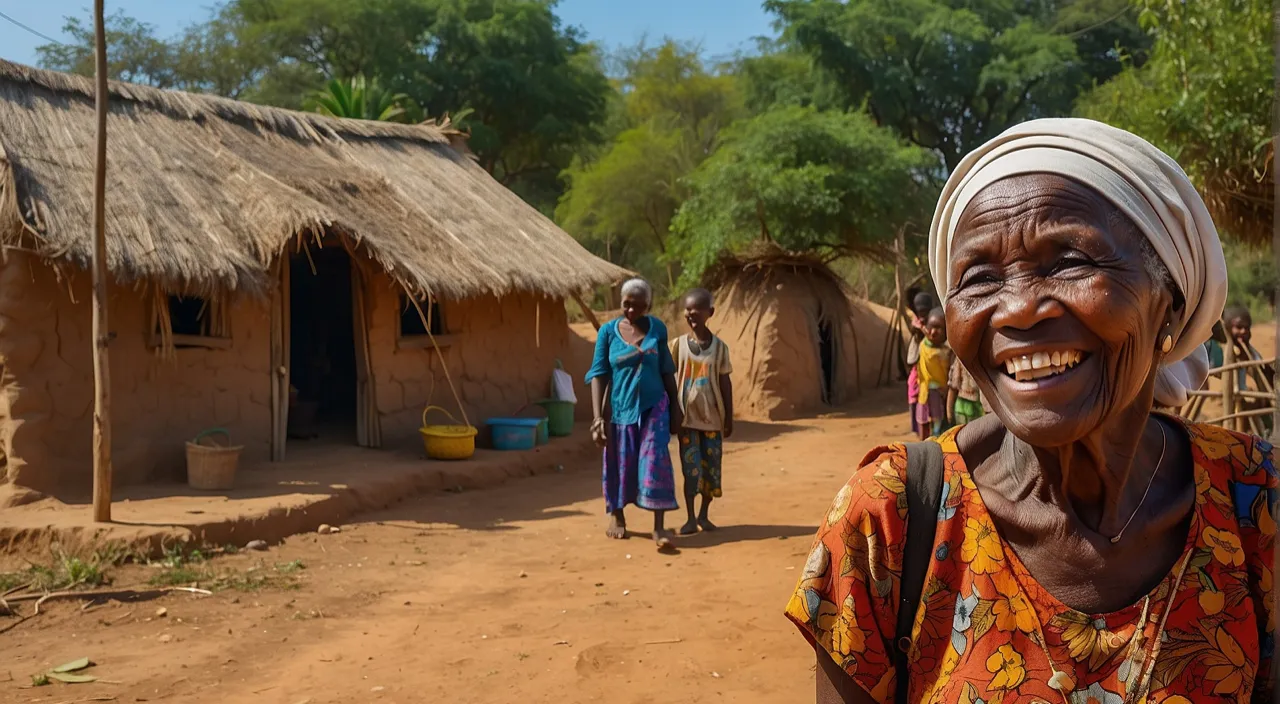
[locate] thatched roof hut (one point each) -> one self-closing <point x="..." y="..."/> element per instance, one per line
<point x="230" y="306"/>
<point x="799" y="342"/>
<point x="204" y="192"/>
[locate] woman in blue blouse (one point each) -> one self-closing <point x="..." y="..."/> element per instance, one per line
<point x="633" y="365"/>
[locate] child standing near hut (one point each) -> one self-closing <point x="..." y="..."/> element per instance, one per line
<point x="935" y="369"/>
<point x="964" y="401"/>
<point x="921" y="304"/>
<point x="1239" y="325"/>
<point x="706" y="397"/>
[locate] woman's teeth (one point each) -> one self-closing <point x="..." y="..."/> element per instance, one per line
<point x="1042" y="364"/>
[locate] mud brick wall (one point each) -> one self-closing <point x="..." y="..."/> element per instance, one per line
<point x="499" y="355"/>
<point x="46" y="393"/>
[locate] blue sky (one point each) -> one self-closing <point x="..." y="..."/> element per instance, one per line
<point x="721" y="26"/>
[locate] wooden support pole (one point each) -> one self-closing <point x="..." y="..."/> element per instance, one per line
<point x="899" y="292"/>
<point x="1229" y="387"/>
<point x="101" y="336"/>
<point x="586" y="310"/>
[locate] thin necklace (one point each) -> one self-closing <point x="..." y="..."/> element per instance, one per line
<point x="1164" y="439"/>
<point x="1065" y="684"/>
<point x="1059" y="679"/>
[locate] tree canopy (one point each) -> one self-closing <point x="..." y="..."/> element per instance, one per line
<point x="134" y="53"/>
<point x="950" y="74"/>
<point x="673" y="108"/>
<point x="1205" y="98"/>
<point x="806" y="180"/>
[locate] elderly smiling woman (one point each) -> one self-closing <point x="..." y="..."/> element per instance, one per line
<point x="632" y="377"/>
<point x="1081" y="547"/>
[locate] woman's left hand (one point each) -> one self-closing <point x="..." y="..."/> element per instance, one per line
<point x="677" y="420"/>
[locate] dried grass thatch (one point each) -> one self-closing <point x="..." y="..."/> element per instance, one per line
<point x="1242" y="201"/>
<point x="203" y="193"/>
<point x="754" y="267"/>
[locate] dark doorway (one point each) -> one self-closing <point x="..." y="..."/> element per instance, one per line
<point x="827" y="358"/>
<point x="322" y="351"/>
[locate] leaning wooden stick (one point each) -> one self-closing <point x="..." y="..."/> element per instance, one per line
<point x="108" y="593"/>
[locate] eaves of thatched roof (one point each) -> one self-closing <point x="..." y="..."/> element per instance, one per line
<point x="204" y="193"/>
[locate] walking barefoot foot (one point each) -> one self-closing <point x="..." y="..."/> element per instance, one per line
<point x="663" y="540"/>
<point x="689" y="528"/>
<point x="616" y="529"/>
<point x="706" y="524"/>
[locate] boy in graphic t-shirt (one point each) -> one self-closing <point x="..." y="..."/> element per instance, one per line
<point x="706" y="397"/>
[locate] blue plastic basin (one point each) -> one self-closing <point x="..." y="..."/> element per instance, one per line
<point x="514" y="433"/>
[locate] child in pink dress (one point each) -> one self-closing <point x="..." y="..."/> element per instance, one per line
<point x="921" y="304"/>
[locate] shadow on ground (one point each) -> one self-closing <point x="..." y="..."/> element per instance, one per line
<point x="748" y="432"/>
<point x="743" y="534"/>
<point x="537" y="498"/>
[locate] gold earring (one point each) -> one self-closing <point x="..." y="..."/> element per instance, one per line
<point x="1167" y="344"/>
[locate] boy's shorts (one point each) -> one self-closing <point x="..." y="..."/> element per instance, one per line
<point x="700" y="455"/>
<point x="967" y="411"/>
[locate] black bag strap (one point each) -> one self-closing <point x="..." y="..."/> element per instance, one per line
<point x="924" y="495"/>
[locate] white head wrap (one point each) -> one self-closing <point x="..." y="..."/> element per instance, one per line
<point x="1145" y="184"/>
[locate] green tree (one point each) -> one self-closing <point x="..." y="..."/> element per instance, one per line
<point x="361" y="100"/>
<point x="534" y="88"/>
<point x="776" y="76"/>
<point x="829" y="183"/>
<point x="214" y="57"/>
<point x="134" y="52"/>
<point x="950" y="74"/>
<point x="1205" y="98"/>
<point x="321" y="40"/>
<point x="672" y="109"/>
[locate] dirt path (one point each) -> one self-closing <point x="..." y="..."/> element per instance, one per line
<point x="508" y="595"/>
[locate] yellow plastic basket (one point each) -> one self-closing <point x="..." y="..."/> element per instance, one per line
<point x="447" y="442"/>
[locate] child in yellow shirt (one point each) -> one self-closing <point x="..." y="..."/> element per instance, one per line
<point x="934" y="370"/>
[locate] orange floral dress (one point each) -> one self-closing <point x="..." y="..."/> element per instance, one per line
<point x="987" y="623"/>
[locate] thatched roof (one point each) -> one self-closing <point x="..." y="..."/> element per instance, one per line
<point x="205" y="192"/>
<point x="756" y="266"/>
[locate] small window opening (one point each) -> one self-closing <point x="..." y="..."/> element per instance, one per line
<point x="191" y="321"/>
<point x="411" y="323"/>
<point x="189" y="316"/>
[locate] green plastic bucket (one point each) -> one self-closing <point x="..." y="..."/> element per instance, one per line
<point x="559" y="417"/>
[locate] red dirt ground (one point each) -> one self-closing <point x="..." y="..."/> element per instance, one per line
<point x="504" y="595"/>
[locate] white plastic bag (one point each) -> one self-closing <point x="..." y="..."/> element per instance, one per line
<point x="562" y="386"/>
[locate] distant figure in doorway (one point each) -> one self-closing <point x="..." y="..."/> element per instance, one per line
<point x="634" y="370"/>
<point x="706" y="400"/>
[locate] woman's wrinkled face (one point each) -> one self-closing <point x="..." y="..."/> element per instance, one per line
<point x="1052" y="309"/>
<point x="634" y="307"/>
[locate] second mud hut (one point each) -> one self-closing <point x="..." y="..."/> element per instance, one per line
<point x="799" y="343"/>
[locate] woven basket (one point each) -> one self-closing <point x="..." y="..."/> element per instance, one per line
<point x="447" y="442"/>
<point x="211" y="466"/>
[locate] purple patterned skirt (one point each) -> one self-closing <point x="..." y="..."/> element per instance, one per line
<point x="637" y="463"/>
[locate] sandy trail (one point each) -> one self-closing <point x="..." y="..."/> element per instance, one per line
<point x="505" y="595"/>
